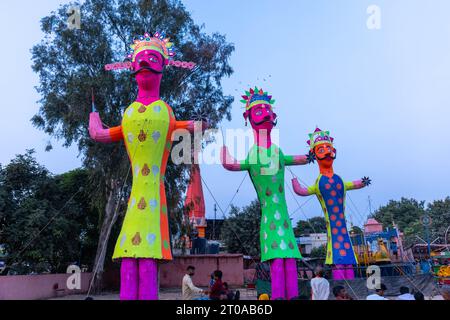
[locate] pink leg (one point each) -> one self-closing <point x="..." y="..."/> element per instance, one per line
<point x="278" y="279"/>
<point x="349" y="272"/>
<point x="290" y="269"/>
<point x="129" y="279"/>
<point x="338" y="272"/>
<point x="148" y="279"/>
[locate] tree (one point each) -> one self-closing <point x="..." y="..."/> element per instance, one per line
<point x="46" y="220"/>
<point x="71" y="62"/>
<point x="240" y="231"/>
<point x="439" y="211"/>
<point x="406" y="214"/>
<point x="356" y="230"/>
<point x="319" y="252"/>
<point x="312" y="225"/>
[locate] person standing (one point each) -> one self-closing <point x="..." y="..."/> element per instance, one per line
<point x="188" y="289"/>
<point x="405" y="295"/>
<point x="379" y="293"/>
<point x="320" y="286"/>
<point x="340" y="293"/>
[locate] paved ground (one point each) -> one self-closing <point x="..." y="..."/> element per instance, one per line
<point x="175" y="294"/>
<point x="164" y="294"/>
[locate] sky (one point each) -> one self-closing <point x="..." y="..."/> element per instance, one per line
<point x="382" y="93"/>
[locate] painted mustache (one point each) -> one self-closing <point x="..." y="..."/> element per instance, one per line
<point x="327" y="156"/>
<point x="147" y="68"/>
<point x="266" y="119"/>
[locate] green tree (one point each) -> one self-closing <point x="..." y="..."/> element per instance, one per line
<point x="71" y="62"/>
<point x="240" y="231"/>
<point x="356" y="230"/>
<point x="439" y="211"/>
<point x="319" y="252"/>
<point x="46" y="220"/>
<point x="406" y="214"/>
<point x="312" y="225"/>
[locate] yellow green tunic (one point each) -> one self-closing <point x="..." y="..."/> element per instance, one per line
<point x="147" y="133"/>
<point x="331" y="194"/>
<point x="266" y="168"/>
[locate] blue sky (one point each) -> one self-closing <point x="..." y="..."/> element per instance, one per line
<point x="383" y="94"/>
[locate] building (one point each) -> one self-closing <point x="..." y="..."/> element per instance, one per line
<point x="314" y="240"/>
<point x="376" y="245"/>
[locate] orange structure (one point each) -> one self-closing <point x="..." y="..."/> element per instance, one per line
<point x="195" y="202"/>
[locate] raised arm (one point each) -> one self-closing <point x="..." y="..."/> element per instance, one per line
<point x="299" y="160"/>
<point x="302" y="191"/>
<point x="99" y="134"/>
<point x="229" y="163"/>
<point x="357" y="184"/>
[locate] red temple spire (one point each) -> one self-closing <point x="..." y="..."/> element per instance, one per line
<point x="195" y="201"/>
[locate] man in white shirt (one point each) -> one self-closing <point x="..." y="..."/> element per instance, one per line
<point x="188" y="289"/>
<point x="379" y="293"/>
<point x="320" y="286"/>
<point x="405" y="295"/>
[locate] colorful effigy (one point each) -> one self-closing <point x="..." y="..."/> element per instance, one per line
<point x="330" y="190"/>
<point x="146" y="129"/>
<point x="266" y="163"/>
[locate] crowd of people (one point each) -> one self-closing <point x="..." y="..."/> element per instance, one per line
<point x="320" y="290"/>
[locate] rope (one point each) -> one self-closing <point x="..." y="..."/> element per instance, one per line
<point x="299" y="207"/>
<point x="357" y="211"/>
<point x="223" y="214"/>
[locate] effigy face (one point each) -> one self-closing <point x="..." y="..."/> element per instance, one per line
<point x="325" y="154"/>
<point x="261" y="116"/>
<point x="148" y="62"/>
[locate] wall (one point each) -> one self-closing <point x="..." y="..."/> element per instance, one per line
<point x="232" y="265"/>
<point x="35" y="287"/>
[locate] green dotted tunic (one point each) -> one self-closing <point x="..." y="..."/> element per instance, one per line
<point x="266" y="169"/>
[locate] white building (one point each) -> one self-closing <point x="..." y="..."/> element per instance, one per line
<point x="314" y="240"/>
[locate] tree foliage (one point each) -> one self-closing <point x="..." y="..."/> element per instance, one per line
<point x="70" y="64"/>
<point x="312" y="225"/>
<point x="47" y="221"/>
<point x="319" y="252"/>
<point x="407" y="214"/>
<point x="240" y="231"/>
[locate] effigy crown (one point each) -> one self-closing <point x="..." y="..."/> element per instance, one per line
<point x="319" y="137"/>
<point x="256" y="96"/>
<point x="157" y="42"/>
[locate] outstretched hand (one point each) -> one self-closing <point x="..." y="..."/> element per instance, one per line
<point x="366" y="181"/>
<point x="311" y="157"/>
